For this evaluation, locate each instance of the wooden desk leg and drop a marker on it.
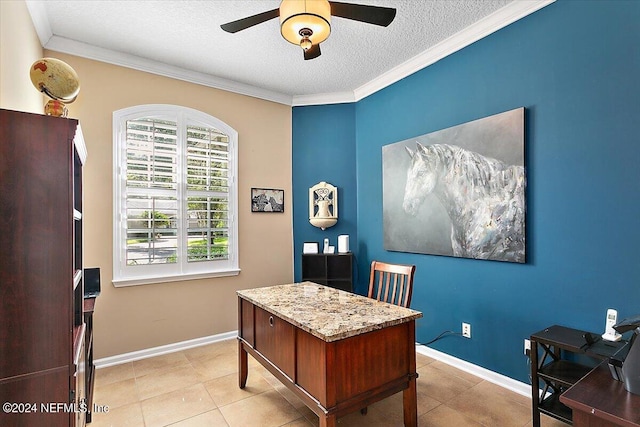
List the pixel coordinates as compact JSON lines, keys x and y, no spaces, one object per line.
{"x":410,"y":404}
{"x":328,"y":421}
{"x":243,"y":365}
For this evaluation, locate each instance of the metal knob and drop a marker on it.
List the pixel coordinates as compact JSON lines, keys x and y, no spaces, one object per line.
{"x":271,"y":321}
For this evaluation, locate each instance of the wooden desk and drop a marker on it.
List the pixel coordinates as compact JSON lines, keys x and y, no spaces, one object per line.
{"x":337,"y":351}
{"x":597,"y":400}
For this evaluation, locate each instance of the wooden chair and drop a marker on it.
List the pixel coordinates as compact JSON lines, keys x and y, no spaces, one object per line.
{"x":392,"y":283}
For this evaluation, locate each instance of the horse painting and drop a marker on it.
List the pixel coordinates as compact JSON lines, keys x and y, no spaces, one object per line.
{"x":483,"y":197}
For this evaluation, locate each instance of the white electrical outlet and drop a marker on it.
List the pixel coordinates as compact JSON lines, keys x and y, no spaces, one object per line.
{"x":466,"y":330}
{"x":527,"y":346}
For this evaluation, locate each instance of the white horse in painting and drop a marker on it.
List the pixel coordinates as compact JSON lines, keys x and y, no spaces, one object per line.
{"x":483,"y":197}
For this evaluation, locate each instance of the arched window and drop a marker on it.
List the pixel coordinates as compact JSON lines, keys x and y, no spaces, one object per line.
{"x":175,"y":195}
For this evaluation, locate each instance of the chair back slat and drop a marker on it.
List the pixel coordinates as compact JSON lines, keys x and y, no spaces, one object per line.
{"x":395,"y":289}
{"x":386,"y":287}
{"x":400,"y":279}
{"x":394,"y":283}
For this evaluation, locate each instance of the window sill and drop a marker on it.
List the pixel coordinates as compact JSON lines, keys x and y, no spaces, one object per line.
{"x":121,"y":283}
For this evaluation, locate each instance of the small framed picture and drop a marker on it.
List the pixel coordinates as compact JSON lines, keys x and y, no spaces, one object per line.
{"x":310,"y":248}
{"x":267,"y":200}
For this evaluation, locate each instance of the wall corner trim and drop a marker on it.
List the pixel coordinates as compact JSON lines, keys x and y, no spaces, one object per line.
{"x":37,"y":10}
{"x":84,"y":50}
{"x":163,"y":349}
{"x":480,"y":372}
{"x":493,"y":377}
{"x":501,"y":18}
{"x":490,"y":24}
{"x":324,"y":99}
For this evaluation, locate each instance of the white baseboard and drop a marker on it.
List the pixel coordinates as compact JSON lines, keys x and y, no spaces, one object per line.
{"x":493,"y":377}
{"x":164,"y":349}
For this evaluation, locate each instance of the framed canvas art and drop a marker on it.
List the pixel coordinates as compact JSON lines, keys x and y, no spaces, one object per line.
{"x":459,"y":191}
{"x":267,"y":200}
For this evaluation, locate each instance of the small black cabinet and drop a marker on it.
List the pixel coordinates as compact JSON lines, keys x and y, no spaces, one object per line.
{"x":335,"y":270}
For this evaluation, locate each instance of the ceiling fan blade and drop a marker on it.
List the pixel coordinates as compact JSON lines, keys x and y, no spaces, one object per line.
{"x":376,"y":15}
{"x":312,"y":52}
{"x":250,"y":21}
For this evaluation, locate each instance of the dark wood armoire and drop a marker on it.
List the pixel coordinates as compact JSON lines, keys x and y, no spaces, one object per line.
{"x":42,"y":355}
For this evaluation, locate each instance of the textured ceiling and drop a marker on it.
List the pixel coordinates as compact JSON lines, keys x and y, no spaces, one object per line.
{"x":186,"y":34}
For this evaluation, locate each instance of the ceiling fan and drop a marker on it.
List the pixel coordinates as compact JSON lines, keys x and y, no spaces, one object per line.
{"x":307,"y":23}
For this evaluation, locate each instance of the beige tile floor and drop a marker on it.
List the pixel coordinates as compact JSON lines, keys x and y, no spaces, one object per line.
{"x":199,"y":388}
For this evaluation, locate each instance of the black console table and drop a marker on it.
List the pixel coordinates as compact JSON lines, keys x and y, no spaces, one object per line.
{"x":554,"y":369}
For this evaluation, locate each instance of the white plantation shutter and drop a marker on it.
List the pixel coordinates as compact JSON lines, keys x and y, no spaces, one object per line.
{"x":151,"y":209}
{"x":175,"y":195}
{"x":207,"y":194}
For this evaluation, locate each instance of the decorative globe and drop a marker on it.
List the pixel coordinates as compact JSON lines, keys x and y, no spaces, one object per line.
{"x":57,"y":80}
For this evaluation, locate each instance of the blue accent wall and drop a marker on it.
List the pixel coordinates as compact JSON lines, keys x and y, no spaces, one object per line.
{"x":324,"y":149}
{"x":575,"y":67}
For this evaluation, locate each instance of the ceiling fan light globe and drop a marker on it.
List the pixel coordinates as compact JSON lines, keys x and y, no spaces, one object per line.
{"x":305,"y":44}
{"x":296,"y":15}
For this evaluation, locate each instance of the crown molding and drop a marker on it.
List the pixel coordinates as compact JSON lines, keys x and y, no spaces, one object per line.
{"x":501,"y":18}
{"x":40,"y":20}
{"x":486,"y":26}
{"x":73,"y":47}
{"x":324,"y":98}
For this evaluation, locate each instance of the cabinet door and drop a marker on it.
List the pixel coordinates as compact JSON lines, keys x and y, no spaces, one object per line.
{"x":36,"y":250}
{"x":48,"y":391}
{"x":275,"y":339}
{"x":314,"y":268}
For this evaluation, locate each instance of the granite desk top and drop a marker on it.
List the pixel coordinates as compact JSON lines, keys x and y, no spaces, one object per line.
{"x":327,"y":313}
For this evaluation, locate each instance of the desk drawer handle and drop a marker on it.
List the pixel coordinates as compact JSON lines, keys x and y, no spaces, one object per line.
{"x":271,"y":321}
